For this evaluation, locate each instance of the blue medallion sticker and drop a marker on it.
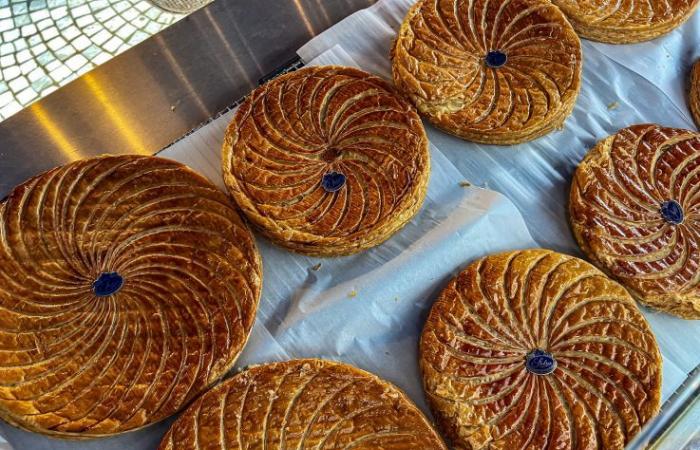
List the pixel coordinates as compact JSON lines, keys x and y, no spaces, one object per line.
{"x":672,"y":212}
{"x":107,"y":284}
{"x":496,"y":59}
{"x":333,"y":181}
{"x":540,"y":362}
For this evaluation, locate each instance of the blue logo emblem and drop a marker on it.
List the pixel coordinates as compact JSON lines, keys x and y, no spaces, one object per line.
{"x":672,"y":212}
{"x":496,"y":59}
{"x":540,"y":362}
{"x":107,"y":284}
{"x":333,"y":181}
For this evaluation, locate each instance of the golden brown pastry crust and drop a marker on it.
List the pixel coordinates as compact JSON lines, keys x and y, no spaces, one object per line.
{"x":694,"y":94}
{"x":615,"y":212}
{"x":439,"y":60}
{"x":626,"y":22}
{"x":293,"y":130}
{"x":77,"y":365}
{"x":303,"y":404}
{"x":607,"y":380}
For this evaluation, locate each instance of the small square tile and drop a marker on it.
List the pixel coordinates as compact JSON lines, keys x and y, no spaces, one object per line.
{"x":101,"y":37}
{"x":22,"y":20}
{"x":42,"y":83}
{"x":19,"y":8}
{"x":137,"y":37}
{"x":28,"y":30}
{"x":6,"y":98}
{"x":38,"y":49}
{"x":152,"y":28}
{"x":58,"y":13}
{"x":81,"y":43}
{"x":49,"y":33}
{"x":65,"y":52}
{"x":126,"y":31}
{"x":92,"y":51}
{"x":11,"y":73}
{"x":64,"y":22}
{"x":71,"y":33}
{"x":20,"y":44}
{"x":57,"y":43}
{"x":23,"y":56}
{"x":35,"y":74}
{"x":28,"y":66}
{"x":130,"y":14}
{"x":114,"y":23}
{"x":92,"y":29}
{"x":105,"y":14}
{"x":11,"y":35}
{"x":36,"y":5}
{"x":34,"y":40}
{"x":143,"y":6}
{"x":18,"y":84}
{"x":152,"y":13}
{"x":101,"y":58}
{"x":27,"y":96}
{"x":84,"y":21}
{"x":6,"y":49}
{"x":60,"y":73}
{"x":44,"y":24}
{"x":52,"y":65}
{"x":39,"y":15}
{"x":11,"y":109}
{"x":122,"y":6}
{"x":112,"y":45}
{"x":45,"y":58}
{"x":7,"y":61}
{"x":97,"y":5}
{"x":80,"y":11}
{"x":76,"y":62}
{"x":6,"y":24}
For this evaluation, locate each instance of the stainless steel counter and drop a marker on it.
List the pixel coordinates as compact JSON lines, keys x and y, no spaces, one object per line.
{"x":146,"y":98}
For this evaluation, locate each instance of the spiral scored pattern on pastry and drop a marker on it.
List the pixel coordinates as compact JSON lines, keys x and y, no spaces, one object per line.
{"x":626,"y":22}
{"x":603,"y":377}
{"x":129,"y":285}
{"x":694,"y":94}
{"x":624,"y":197}
{"x":303,"y":404}
{"x":497,"y":72}
{"x":327,"y":160}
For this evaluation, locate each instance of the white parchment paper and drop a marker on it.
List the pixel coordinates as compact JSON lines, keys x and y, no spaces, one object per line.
{"x":368,"y":309}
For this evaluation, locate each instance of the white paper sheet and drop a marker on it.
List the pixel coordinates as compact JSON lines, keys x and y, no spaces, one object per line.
{"x":368,"y":309}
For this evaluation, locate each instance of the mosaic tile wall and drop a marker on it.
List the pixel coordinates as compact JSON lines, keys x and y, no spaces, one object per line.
{"x":44,"y":44}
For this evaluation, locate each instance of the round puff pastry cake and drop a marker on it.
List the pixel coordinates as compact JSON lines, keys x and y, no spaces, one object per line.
{"x":303,"y":404}
{"x":635,"y":211}
{"x":129,"y":285}
{"x":618,"y":22}
{"x":694,"y":95}
{"x":538,"y":350}
{"x":327,"y":160}
{"x":498,"y":72}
